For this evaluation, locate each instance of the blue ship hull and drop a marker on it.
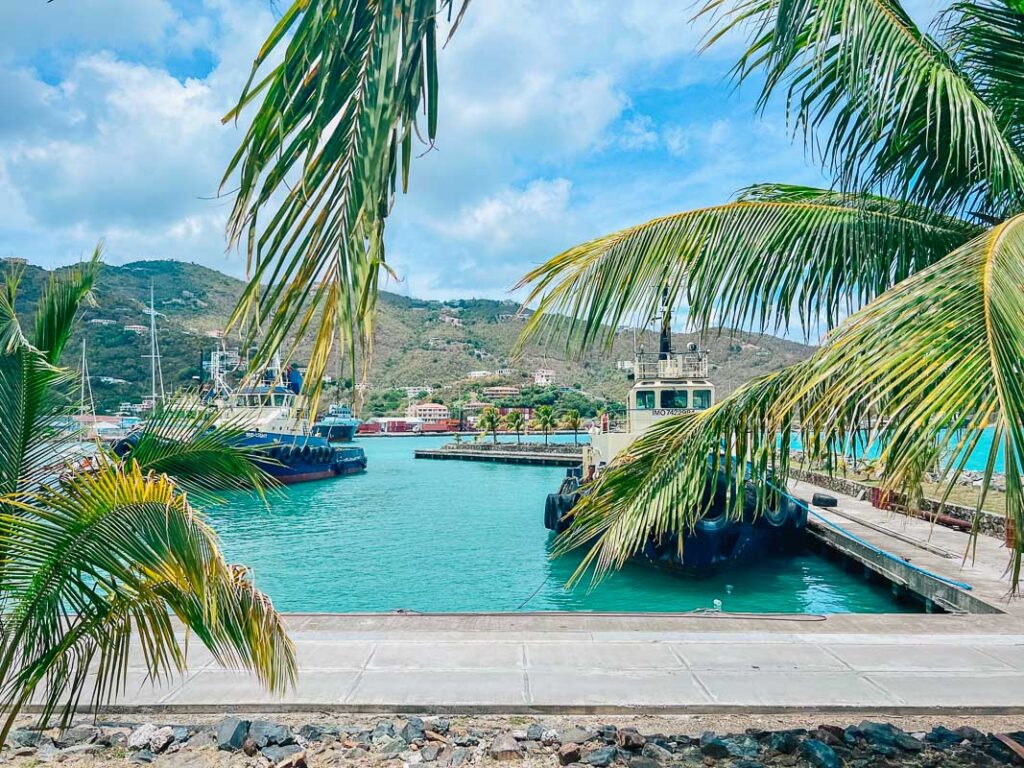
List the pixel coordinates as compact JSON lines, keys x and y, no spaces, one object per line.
{"x":301,"y":458}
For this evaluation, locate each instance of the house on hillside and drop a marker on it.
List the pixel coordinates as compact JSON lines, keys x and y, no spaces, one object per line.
{"x":428,"y":413}
{"x":543,"y":377}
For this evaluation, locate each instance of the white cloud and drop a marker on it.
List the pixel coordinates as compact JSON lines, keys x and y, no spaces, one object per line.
{"x":544,"y":108}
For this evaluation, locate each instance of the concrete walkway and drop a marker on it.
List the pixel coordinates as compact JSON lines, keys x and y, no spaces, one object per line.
{"x":629,"y":663}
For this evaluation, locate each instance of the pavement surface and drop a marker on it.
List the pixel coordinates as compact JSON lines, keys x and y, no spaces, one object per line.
{"x":644,"y":663}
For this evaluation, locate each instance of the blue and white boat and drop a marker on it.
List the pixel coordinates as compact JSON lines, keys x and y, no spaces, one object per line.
{"x":338,"y":426}
{"x":271,"y":413}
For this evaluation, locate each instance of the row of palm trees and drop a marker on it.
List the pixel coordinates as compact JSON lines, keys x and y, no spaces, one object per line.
{"x":544,"y":420}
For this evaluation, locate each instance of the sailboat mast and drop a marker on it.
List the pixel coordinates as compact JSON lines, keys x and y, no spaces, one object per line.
{"x":152,"y":340}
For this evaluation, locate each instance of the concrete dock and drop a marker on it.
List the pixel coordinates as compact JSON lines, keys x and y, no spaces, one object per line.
{"x":507,"y":456}
{"x":667,"y":663}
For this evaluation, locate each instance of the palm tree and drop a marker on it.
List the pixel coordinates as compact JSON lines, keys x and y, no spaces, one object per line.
{"x":94,"y":560}
{"x":571,"y":419}
{"x":918,"y":240}
{"x":489,"y":421}
{"x":515,"y":422}
{"x":921,"y":236}
{"x":545,"y":420}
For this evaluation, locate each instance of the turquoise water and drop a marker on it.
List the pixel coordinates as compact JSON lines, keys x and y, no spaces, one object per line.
{"x":976,"y":461}
{"x":467,"y":536}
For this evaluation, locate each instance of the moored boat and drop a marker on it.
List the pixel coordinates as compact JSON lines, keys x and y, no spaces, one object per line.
{"x":338,"y":426}
{"x":668,"y":384}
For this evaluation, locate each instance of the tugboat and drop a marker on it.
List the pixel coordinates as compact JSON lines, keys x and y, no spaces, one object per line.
{"x":271,"y":412}
{"x":338,"y":426}
{"x":667,"y":384}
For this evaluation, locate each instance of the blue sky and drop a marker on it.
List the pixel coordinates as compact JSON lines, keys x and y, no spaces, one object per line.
{"x":560,"y":121}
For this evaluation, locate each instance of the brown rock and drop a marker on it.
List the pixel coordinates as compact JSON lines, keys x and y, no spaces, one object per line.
{"x":569,"y":753}
{"x":249,"y":748}
{"x":434,"y":736}
{"x":298,"y":760}
{"x":630,"y":738}
{"x":504,"y":747}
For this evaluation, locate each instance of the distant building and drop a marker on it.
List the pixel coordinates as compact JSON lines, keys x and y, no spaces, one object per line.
{"x":504,"y":372}
{"x":478,"y":374}
{"x":428,"y":413}
{"x":451,"y":320}
{"x":112,"y":380}
{"x":139,"y":329}
{"x":101,"y":321}
{"x":499,"y":392}
{"x":543,"y":377}
{"x":414,"y":392}
{"x":214,"y":334}
{"x":475,"y":406}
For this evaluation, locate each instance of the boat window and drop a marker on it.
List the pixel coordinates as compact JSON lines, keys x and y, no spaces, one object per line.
{"x":644,"y":399}
{"x":701,"y":398}
{"x":673,"y":398}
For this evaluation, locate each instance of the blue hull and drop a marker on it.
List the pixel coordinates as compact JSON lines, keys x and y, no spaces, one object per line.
{"x":715,"y":543}
{"x":301,"y":458}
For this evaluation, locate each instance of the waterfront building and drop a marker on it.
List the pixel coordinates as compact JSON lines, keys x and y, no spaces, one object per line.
{"x":428,"y":413}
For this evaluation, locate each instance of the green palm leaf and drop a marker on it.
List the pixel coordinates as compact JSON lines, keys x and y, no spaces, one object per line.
{"x":895,"y":108}
{"x":934,"y":361}
{"x":987,"y":39}
{"x":777,"y":251}
{"x":107,"y":553}
{"x":332,"y":134}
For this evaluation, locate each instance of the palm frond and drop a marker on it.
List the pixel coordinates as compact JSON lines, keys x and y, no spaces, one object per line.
{"x":891,"y":106}
{"x":189,"y":442}
{"x":332,"y":134}
{"x":930,"y":364}
{"x":987,"y":38}
{"x":101,"y":559}
{"x":777,"y":251}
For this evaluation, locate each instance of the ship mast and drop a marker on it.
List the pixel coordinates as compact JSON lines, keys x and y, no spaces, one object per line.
{"x":665,"y":340}
{"x":155,"y":367}
{"x":86,"y":388}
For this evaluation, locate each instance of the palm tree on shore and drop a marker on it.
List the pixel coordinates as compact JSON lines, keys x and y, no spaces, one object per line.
{"x":911,"y":259}
{"x":515,"y":422}
{"x":489,"y":421}
{"x":545,"y":420}
{"x":571,"y":419}
{"x":96,"y":558}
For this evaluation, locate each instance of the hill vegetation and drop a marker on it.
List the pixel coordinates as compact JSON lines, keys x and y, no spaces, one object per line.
{"x":417,"y":343}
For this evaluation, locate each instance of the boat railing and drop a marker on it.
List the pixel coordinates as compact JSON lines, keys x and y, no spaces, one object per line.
{"x":675,"y":366}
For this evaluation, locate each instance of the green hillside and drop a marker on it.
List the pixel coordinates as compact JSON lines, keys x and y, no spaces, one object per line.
{"x":416,"y":342}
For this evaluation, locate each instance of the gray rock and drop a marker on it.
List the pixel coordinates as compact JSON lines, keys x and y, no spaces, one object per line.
{"x":819,"y":754}
{"x":431,"y":751}
{"x":393,"y":746}
{"x":266,"y":734}
{"x":535,"y":732}
{"x":714,"y":747}
{"x":140,"y":737}
{"x":575,"y":736}
{"x":549,"y":737}
{"x":783,"y":742}
{"x":439,"y":725}
{"x":26,"y":737}
{"x":504,"y":747}
{"x":411,"y":757}
{"x":607,"y":732}
{"x":412,"y":730}
{"x":83,"y":749}
{"x":232,"y":733}
{"x":459,"y":756}
{"x":741,"y":746}
{"x":276,"y":753}
{"x":643,"y":762}
{"x":384,"y":728}
{"x":878,"y":733}
{"x":24,"y":751}
{"x":181,"y":733}
{"x":311,"y":732}
{"x":143,"y":756}
{"x":654,"y":752}
{"x":601,"y":757}
{"x":82,"y":733}
{"x":161,"y":739}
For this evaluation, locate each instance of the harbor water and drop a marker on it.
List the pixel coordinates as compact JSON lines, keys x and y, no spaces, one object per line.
{"x":465,"y":536}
